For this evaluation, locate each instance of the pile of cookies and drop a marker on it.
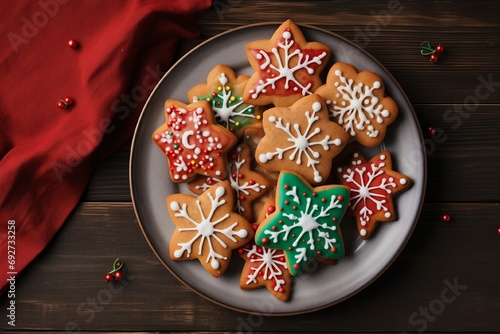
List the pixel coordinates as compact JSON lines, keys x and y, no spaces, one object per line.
{"x":266,"y":157}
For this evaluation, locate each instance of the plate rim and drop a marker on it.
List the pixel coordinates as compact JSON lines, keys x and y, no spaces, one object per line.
{"x":314,"y":309}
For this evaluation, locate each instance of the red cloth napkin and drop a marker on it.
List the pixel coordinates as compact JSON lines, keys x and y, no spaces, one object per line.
{"x":47,"y":154}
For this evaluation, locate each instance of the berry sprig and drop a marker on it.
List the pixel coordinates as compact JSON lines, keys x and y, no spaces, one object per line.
{"x":116,"y":273}
{"x":427,"y":50}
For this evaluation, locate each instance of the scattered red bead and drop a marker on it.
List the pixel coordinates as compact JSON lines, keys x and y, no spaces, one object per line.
{"x":271,"y":209}
{"x":264,"y":241}
{"x":65,"y":103}
{"x":296,"y":266}
{"x":281,"y":290}
{"x":73,"y":44}
{"x":340,"y":198}
{"x":446,"y":218}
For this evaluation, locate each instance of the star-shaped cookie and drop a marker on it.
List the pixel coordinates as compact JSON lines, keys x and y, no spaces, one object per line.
{"x":306,"y":221}
{"x":192,"y":141}
{"x":265,"y":266}
{"x":372,"y":184}
{"x":207,"y":229}
{"x":357,"y":102}
{"x":286,"y":67}
{"x":247,"y":184}
{"x":224,"y":91}
{"x":301,"y":138}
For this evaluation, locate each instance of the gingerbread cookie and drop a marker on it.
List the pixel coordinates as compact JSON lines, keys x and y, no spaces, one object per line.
{"x":306,"y":221}
{"x":286,"y":67}
{"x":357,"y":101}
{"x":193,"y":142}
{"x":207,"y":229}
{"x":247,"y":184}
{"x":265,"y":266}
{"x":224,"y":91}
{"x":302,"y":139}
{"x":373,"y":184}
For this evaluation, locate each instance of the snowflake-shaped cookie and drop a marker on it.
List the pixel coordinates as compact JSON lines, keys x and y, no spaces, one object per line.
{"x":192,"y":141}
{"x":357,"y":102}
{"x":224,"y":91}
{"x":247,"y":184}
{"x":372,"y":184}
{"x":286,"y":67}
{"x":301,"y":139}
{"x":306,"y":222}
{"x":207,"y":229}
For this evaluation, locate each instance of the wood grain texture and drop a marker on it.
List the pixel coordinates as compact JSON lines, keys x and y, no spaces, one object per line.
{"x":65,"y":285}
{"x":469,"y":31}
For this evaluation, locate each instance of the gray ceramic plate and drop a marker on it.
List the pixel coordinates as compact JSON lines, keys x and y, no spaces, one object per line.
{"x":321,"y":285}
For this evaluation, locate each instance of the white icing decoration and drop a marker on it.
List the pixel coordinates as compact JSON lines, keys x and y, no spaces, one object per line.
{"x":284,"y":69}
{"x":363,"y":190}
{"x":238,"y":187}
{"x":206,"y":229}
{"x":362,"y":232}
{"x":355,"y":114}
{"x":175,"y":206}
{"x":185,"y":139}
{"x":402,"y":181}
{"x":307,"y":221}
{"x":388,"y":215}
{"x":227,"y":110}
{"x":301,"y":144}
{"x":268,"y":263}
{"x":181,"y":135}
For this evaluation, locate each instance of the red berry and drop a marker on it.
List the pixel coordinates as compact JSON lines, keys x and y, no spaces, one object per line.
{"x":68,"y":100}
{"x":72,"y":44}
{"x":434,"y":57}
{"x":498,"y":230}
{"x":118,"y":275}
{"x":446,"y":218}
{"x":61,"y":104}
{"x":439,"y":48}
{"x":431,"y":131}
{"x":109,"y":277}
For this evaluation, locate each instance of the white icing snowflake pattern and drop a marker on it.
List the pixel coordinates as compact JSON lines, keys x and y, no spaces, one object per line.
{"x":226,"y":111}
{"x":206,"y":229}
{"x":301,"y":144}
{"x":373,"y":196}
{"x":268,"y":263}
{"x":284,"y":70}
{"x":238,"y":187}
{"x":358,"y":108}
{"x":307,"y":221}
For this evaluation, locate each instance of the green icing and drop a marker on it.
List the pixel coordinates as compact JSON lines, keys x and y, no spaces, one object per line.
{"x":306,"y":223}
{"x":229,"y":109}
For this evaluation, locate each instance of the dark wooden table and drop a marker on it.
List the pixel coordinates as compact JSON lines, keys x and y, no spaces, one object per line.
{"x":63,"y":289}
